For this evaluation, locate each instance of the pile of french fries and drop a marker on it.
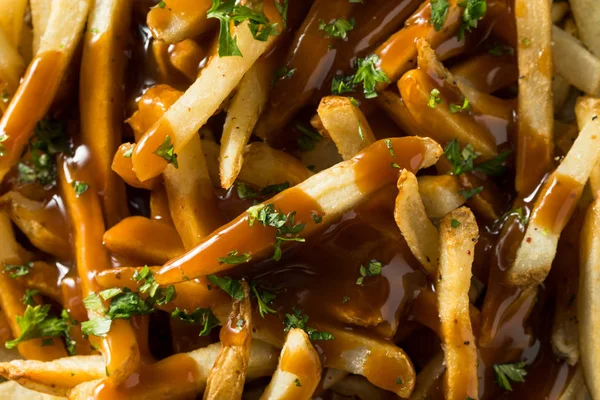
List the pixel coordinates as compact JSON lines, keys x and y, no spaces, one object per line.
{"x":152,"y":150}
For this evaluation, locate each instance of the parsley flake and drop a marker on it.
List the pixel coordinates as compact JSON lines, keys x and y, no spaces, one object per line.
{"x":373,"y":268}
{"x":167,"y":151}
{"x":456,"y":108}
{"x":454,"y":223}
{"x":35,"y":323}
{"x":468,"y":193}
{"x":434,"y":98}
{"x":300,"y":321}
{"x":474,"y":10}
{"x":505,"y":373}
{"x":369,"y":74}
{"x":16,"y":271}
{"x":203,"y":316}
{"x":439,"y":12}
{"x":338,"y":28}
{"x":308,"y":137}
{"x":28,"y":297}
{"x":234,"y":258}
{"x":79,"y":187}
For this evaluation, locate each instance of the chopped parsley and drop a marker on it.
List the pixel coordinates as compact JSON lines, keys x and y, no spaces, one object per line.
{"x":373,"y":268}
{"x":234,"y":288}
{"x":3,"y":138}
{"x":228,"y":11}
{"x":462,"y":160}
{"x":342,"y":84}
{"x":129,"y":152}
{"x":298,"y":383}
{"x":167,"y":151}
{"x":474,"y":10}
{"x":283,"y":73}
{"x":234,"y":258}
{"x":345,"y":299}
{"x":339,"y":28}
{"x":79,"y":187}
{"x":369,"y":74}
{"x":308,"y":137}
{"x":28,"y":297}
{"x":35,"y":323}
{"x":98,"y":326}
{"x":399,"y":381}
{"x":388,"y":143}
{"x":494,"y":166}
{"x":439,"y":12}
{"x":18,"y":270}
{"x":108,"y":294}
{"x":434,"y":98}
{"x":299,"y":320}
{"x":264,"y":298}
{"x":245,"y":191}
{"x":360,"y":132}
{"x":318,"y":218}
{"x":203,"y":316}
{"x":454,"y":223}
{"x":507,"y":373}
{"x":160,"y":4}
{"x":468,"y":193}
{"x":282,"y":9}
{"x":501,"y":50}
{"x":456,"y":108}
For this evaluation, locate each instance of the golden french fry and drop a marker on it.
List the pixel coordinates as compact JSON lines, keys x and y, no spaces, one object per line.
{"x":100,"y":104}
{"x":243,"y":112}
{"x":554,"y":206}
{"x":575,"y":63}
{"x":12,"y":67}
{"x":588,"y":304}
{"x":186,"y":56}
{"x":575,"y":389}
{"x":346,"y":125}
{"x":396,"y":109}
{"x":358,"y":387}
{"x":149,"y":240}
{"x":42,"y":277}
{"x":331,"y":376}
{"x":123,"y":167}
{"x":586,"y":13}
{"x":55,"y":377}
{"x":476,"y":72}
{"x":558,"y":11}
{"x":587,"y":108}
{"x":458,"y":235}
{"x":561,"y":89}
{"x":564,"y":136}
{"x":12,"y":19}
{"x":192,"y":201}
{"x":534,"y":144}
{"x":323,"y":156}
{"x":179,"y":20}
{"x":191,"y":111}
{"x":14,"y":391}
{"x":40,"y":13}
{"x":42,"y":79}
{"x":298,"y":372}
{"x":419,"y":232}
{"x":328,"y":194}
{"x":440,"y":194}
{"x":428,"y":377}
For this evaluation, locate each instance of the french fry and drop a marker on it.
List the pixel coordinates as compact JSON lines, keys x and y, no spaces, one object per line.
{"x":228,"y":374}
{"x":11,"y":295}
{"x":148,"y":240}
{"x":41,"y":223}
{"x":561,"y":88}
{"x":588,"y":305}
{"x":119,"y":346}
{"x":12,"y":67}
{"x":181,"y":376}
{"x":458,"y":235}
{"x":191,"y":111}
{"x":192,"y":201}
{"x":440,"y":194}
{"x":323,"y":156}
{"x":186,"y":57}
{"x":428,"y":377}
{"x":585,"y":109}
{"x":264,"y":166}
{"x":534,"y":137}
{"x":42,"y":78}
{"x":13,"y":391}
{"x":355,"y":386}
{"x":329,"y":193}
{"x":575,"y":63}
{"x":586,"y":13}
{"x":123,"y":167}
{"x":101,"y":91}
{"x":55,"y":377}
{"x":40,"y":13}
{"x":575,"y":389}
{"x":417,"y":229}
{"x":159,"y":206}
{"x":554,"y":206}
{"x":243,"y":112}
{"x":13,"y":19}
{"x":558,"y":11}
{"x":151,"y":106}
{"x":42,"y":277}
{"x":298,"y":372}
{"x":396,"y":109}
{"x":179,"y":20}
{"x":346,"y":125}
{"x":211,"y":154}
{"x":331,"y":376}
{"x":476,"y":72}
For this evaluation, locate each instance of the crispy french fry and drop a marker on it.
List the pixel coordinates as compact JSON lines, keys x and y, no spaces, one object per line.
{"x":12,"y":19}
{"x":55,"y":377}
{"x":11,"y":295}
{"x":428,"y":377}
{"x":181,"y":376}
{"x":586,"y":13}
{"x":487,"y":73}
{"x":585,"y":109}
{"x":245,"y":108}
{"x":323,"y":156}
{"x":561,"y":88}
{"x":588,"y":305}
{"x":346,"y":125}
{"x":42,"y":78}
{"x":575,"y":63}
{"x":534,"y":143}
{"x":191,"y":111}
{"x":12,"y":67}
{"x":419,"y":232}
{"x":355,"y":386}
{"x":228,"y":374}
{"x":119,"y":346}
{"x":575,"y":389}
{"x":458,"y":235}
{"x":40,"y":13}
{"x":148,"y":240}
{"x":101,"y":91}
{"x":440,"y":194}
{"x":180,"y":20}
{"x":329,"y":193}
{"x":123,"y":167}
{"x":42,"y":277}
{"x":192,"y":201}
{"x":396,"y":109}
{"x":151,"y":106}
{"x":298,"y":372}
{"x":186,"y":57}
{"x":264,"y":166}
{"x":554,"y":206}
{"x":14,"y":391}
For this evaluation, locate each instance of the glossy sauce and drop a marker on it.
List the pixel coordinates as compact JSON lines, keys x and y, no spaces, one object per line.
{"x":557,"y":203}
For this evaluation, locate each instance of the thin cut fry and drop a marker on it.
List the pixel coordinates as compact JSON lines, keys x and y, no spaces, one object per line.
{"x":585,"y":109}
{"x":123,"y":167}
{"x":573,"y":62}
{"x":458,"y":235}
{"x":42,"y":277}
{"x":416,"y":227}
{"x":40,"y":13}
{"x":475,"y":72}
{"x":558,"y":11}
{"x":561,"y":89}
{"x":183,"y":119}
{"x":396,"y":109}
{"x":228,"y":374}
{"x":428,"y":377}
{"x":355,"y":386}
{"x":534,"y":144}
{"x":588,"y":300}
{"x":182,"y":19}
{"x":55,"y":377}
{"x":576,"y":389}
{"x":345,"y":124}
{"x":554,"y":207}
{"x":329,"y":193}
{"x":12,"y":19}
{"x":181,"y":376}
{"x":148,"y":240}
{"x":13,"y":391}
{"x":11,"y":68}
{"x":298,"y":372}
{"x":440,"y":194}
{"x":42,"y":78}
{"x":245,"y":108}
{"x":100,"y":94}
{"x":586,"y":14}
